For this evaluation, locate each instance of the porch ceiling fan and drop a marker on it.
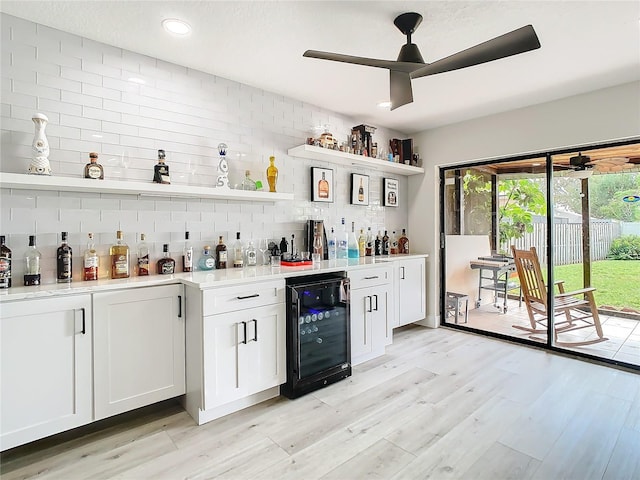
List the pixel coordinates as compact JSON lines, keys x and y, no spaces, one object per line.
{"x":410,"y":65}
{"x":584,"y":163}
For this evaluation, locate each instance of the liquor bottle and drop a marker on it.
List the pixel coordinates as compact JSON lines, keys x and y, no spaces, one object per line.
{"x":377,"y":244}
{"x":187,"y":254}
{"x":238,"y":254}
{"x":166,"y":265}
{"x":354,"y":251}
{"x":93,"y":169}
{"x":143,"y":257}
{"x":272,"y":174}
{"x":332,"y":245}
{"x":362,"y":242}
{"x":161,"y":170}
{"x":284,"y":246}
{"x":247,"y":183}
{"x":206,"y":262}
{"x":393,"y":243}
{"x":32,"y":264}
{"x":385,"y":244}
{"x":368,"y":249}
{"x":119,"y":253}
{"x":294,"y":249}
{"x":91,"y":261}
{"x":5,"y":264}
{"x":251,"y":255}
{"x":221,"y":254}
{"x":64,"y":257}
{"x":361,"y":192}
{"x":403,"y":243}
{"x":343,"y":243}
{"x":323,"y":187}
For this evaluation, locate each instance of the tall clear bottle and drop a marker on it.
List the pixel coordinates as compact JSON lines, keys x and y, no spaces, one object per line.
{"x":332,"y":245}
{"x":64,"y":261}
{"x":5,"y":264}
{"x":32,"y":259}
{"x":91,"y":261}
{"x":393,"y":243}
{"x":354,"y":250}
{"x":251,"y":255}
{"x":143,"y":256}
{"x":343,"y":242}
{"x":238,"y":252}
{"x":187,"y":254}
{"x":119,"y":253}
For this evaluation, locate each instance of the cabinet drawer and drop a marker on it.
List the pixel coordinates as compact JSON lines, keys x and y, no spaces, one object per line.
{"x":368,"y":277}
{"x":239,"y":297}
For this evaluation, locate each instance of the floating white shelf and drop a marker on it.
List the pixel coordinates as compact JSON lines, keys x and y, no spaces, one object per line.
{"x":74,"y":184}
{"x":342,"y":158}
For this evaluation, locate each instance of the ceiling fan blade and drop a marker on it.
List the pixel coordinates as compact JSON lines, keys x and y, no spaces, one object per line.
{"x":370,"y":62}
{"x":518,"y":41}
{"x":401,"y":91}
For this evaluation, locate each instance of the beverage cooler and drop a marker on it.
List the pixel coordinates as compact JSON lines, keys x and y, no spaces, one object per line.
{"x":318,"y":332}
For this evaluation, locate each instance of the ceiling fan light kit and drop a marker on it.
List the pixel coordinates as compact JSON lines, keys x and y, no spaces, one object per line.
{"x":410,"y":64}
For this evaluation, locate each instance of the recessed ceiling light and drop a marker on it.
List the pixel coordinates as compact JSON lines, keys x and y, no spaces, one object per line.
{"x":384,"y":104}
{"x":176,"y":27}
{"x":536,"y":164}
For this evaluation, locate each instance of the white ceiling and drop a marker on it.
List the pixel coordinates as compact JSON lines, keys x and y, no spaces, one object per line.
{"x":585,"y":46}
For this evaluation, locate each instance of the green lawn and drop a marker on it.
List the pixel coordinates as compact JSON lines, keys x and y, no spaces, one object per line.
{"x":617,"y":281}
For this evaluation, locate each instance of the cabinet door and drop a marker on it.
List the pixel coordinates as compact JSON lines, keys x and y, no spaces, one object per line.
{"x":381,"y":317}
{"x":361,"y":307}
{"x":265,"y":360}
{"x":139,"y":355}
{"x":411,"y":292}
{"x":244,"y":353}
{"x":45,"y":382}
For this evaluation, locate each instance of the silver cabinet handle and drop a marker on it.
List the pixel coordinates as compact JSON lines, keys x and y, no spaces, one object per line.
{"x":371,"y":278}
{"x":248,"y":296}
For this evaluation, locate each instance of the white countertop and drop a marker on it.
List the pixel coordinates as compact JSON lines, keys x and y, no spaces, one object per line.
{"x":198,"y":279}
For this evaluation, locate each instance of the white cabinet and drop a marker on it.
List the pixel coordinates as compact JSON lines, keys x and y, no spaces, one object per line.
{"x":235,"y":347}
{"x":139,"y":347}
{"x":45,"y":382}
{"x":372,"y":314}
{"x":245,"y":353}
{"x":410,"y":291}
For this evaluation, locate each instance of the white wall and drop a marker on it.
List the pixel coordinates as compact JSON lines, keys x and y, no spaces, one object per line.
{"x":595,"y":117}
{"x":83,"y":88}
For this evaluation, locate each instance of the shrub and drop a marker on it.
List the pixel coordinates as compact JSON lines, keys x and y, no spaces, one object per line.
{"x":626,"y":247}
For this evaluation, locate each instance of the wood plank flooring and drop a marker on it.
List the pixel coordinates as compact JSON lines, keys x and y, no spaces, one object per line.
{"x":440,"y":404}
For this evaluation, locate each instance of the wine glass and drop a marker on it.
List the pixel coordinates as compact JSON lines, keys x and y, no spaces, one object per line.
{"x":263,"y":246}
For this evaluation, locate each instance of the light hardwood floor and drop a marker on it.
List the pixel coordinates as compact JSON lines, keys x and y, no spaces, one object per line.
{"x":440,"y":404}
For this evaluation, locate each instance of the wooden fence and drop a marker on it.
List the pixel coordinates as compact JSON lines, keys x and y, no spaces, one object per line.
{"x":568,"y":241}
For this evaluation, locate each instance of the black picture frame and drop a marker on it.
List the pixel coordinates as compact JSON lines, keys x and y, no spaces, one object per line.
{"x":359,"y":189}
{"x":390,"y":192}
{"x":321,"y":191}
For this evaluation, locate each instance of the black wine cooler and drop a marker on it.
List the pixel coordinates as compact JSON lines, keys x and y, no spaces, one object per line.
{"x":318,"y":332}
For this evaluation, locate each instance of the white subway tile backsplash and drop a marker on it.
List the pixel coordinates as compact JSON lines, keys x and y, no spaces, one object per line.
{"x":185,"y":112}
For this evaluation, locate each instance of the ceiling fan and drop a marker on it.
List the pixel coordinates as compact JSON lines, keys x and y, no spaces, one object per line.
{"x":582,"y":166}
{"x":410,"y":64}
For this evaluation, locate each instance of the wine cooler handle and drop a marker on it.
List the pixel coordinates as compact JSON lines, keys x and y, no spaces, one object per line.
{"x":402,"y":277}
{"x":179,"y":306}
{"x":244,"y":332}
{"x":368,"y":297}
{"x":84,"y":324}
{"x":255,"y":331}
{"x":248,"y":296}
{"x":376,"y":297}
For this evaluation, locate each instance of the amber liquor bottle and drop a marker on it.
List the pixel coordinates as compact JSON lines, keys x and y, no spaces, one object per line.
{"x":119,"y":253}
{"x":166,"y":265}
{"x":221,"y":254}
{"x":93,"y":169}
{"x":5,"y":264}
{"x":161,"y":170}
{"x":64,"y":257}
{"x":403,"y":243}
{"x":91,"y":261}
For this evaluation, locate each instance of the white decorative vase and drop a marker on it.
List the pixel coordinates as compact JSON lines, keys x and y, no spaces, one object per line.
{"x":223,"y":168}
{"x":40,"y":147}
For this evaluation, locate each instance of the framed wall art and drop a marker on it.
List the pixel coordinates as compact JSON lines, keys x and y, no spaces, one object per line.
{"x":359,"y":189}
{"x":321,"y":184}
{"x":390,"y":192}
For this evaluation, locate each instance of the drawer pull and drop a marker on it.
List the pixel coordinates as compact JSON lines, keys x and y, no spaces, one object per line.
{"x":371,"y":278}
{"x":248,"y":296}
